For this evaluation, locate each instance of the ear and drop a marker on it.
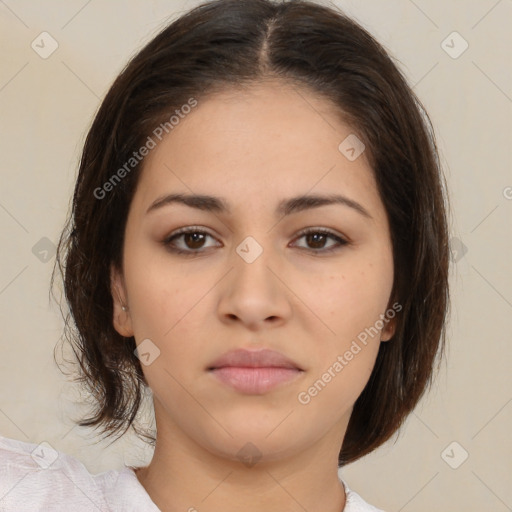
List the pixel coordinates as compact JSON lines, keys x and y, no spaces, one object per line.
{"x":388,"y":331}
{"x":121,"y":317}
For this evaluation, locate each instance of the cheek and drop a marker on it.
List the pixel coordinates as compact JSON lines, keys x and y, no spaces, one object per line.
{"x":165,"y":301}
{"x":351,"y":305}
{"x":353,"y":297}
{"x":332,"y":392}
{"x":162,"y":292}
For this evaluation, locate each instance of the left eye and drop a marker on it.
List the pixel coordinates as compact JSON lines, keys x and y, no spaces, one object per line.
{"x":194,"y":239}
{"x":319,"y":236}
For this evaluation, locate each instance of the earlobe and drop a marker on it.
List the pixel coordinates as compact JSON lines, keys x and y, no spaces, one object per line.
{"x":121,"y":314}
{"x":388,"y":330}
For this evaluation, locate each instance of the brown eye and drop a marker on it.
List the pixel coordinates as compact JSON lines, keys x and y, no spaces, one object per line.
{"x":317,"y":238}
{"x":187,"y":241}
{"x":193,"y":240}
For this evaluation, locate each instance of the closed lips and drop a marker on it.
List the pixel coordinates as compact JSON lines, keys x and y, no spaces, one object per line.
{"x":263,"y":358}
{"x":254,"y":372}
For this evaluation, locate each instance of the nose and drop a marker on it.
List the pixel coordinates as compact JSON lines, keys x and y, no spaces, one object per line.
{"x":254,"y":292}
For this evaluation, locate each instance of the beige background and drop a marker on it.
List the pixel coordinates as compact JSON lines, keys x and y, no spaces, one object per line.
{"x":46,"y":107}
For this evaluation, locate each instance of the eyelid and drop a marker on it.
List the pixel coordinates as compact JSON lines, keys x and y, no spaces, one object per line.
{"x":325,"y":231}
{"x":185,"y":230}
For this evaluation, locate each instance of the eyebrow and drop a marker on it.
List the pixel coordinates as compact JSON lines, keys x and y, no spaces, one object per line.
{"x":285,"y":207}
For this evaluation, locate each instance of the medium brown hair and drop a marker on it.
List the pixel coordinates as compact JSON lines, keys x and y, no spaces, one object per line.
{"x":233,"y":43}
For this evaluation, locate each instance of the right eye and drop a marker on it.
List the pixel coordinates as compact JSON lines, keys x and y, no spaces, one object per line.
{"x":192,"y":239}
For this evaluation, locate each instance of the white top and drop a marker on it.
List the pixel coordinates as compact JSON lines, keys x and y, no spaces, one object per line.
{"x":36,"y":477}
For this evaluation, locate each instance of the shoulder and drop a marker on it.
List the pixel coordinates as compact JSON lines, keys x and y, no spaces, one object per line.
{"x":355,"y":503}
{"x":38,"y":477}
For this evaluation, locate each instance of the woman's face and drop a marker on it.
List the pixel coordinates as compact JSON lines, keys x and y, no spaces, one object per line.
{"x":251,"y":279}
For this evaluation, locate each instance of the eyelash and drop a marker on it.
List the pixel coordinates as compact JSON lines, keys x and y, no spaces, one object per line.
{"x":192,"y":229}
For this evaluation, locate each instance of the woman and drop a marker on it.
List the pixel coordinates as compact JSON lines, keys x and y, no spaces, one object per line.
{"x":258,"y":237}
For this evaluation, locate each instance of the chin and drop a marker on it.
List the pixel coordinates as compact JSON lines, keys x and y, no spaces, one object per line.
{"x":265,"y":439}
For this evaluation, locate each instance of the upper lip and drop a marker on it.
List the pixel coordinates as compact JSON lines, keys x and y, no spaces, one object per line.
{"x":261,"y":358}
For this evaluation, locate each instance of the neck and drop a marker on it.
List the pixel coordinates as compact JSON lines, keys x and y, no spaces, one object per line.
{"x":183,"y":476}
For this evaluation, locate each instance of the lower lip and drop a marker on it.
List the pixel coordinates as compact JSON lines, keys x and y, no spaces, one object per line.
{"x":255,"y":381}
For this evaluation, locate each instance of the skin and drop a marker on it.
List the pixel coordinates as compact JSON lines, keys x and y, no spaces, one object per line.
{"x":253,"y":148}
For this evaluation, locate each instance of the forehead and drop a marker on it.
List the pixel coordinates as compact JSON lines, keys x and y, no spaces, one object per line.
{"x":266,"y":141}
